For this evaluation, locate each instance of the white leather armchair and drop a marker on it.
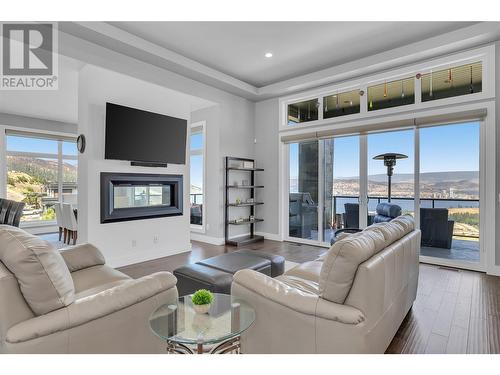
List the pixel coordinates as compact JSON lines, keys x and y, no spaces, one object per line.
{"x":109,"y":314}
{"x":351,"y":300}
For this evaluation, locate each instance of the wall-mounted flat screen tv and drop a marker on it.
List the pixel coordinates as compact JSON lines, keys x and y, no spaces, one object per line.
{"x":141,"y":136}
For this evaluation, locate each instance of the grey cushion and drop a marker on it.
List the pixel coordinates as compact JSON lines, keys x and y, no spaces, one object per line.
{"x":388,"y":209}
{"x":233,"y":262}
{"x":41,"y":272}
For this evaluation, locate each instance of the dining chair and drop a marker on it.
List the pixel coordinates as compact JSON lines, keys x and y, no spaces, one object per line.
{"x":70,"y":224}
{"x":60,"y":220}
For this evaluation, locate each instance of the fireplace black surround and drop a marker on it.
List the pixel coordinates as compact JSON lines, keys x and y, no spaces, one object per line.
{"x":137,"y":196}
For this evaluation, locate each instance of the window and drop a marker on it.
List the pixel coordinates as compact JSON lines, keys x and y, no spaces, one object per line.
{"x":303,"y":111}
{"x":344,"y":103}
{"x":461,"y":80}
{"x":391,"y":94}
{"x":41,"y":172}
{"x":197,"y":145}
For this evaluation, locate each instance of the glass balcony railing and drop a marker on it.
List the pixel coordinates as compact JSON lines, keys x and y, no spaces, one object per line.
{"x":464,"y":212}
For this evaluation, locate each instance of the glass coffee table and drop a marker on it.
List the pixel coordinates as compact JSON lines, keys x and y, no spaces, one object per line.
{"x":188,"y":332}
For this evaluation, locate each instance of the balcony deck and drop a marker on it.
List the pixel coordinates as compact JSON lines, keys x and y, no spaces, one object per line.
{"x":463,"y":250}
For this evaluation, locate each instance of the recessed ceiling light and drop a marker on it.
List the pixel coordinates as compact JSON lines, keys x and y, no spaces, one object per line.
{"x":268,"y":54}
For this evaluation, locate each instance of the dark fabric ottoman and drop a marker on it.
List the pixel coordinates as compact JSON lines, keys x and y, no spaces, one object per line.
{"x":216,"y":274}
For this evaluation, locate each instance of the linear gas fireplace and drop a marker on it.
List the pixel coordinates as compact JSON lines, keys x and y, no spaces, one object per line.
{"x":137,"y":196}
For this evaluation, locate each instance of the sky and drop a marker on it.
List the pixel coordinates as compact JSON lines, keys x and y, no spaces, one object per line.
{"x":46,"y":146}
{"x":442,"y":148}
{"x":197,"y":160}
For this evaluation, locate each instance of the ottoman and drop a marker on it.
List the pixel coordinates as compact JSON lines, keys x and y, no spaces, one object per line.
{"x":216,"y":273}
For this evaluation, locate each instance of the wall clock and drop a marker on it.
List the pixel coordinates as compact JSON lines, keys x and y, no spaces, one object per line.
{"x":80,"y":143}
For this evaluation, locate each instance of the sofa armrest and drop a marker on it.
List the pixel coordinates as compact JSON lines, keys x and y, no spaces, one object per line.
{"x":92,"y":307}
{"x":296,"y":299}
{"x":82,"y":256}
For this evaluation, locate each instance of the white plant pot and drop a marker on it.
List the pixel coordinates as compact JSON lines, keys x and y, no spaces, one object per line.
{"x":201,"y":309}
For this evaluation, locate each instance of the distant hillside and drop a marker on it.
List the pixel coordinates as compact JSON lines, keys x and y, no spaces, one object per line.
{"x":429,"y":178}
{"x":41,"y":171}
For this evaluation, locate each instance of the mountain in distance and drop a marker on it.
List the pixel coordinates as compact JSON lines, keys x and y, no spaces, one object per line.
{"x":428,"y":177}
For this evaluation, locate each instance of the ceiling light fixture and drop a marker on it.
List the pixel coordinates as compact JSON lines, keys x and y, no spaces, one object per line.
{"x":268,"y":54}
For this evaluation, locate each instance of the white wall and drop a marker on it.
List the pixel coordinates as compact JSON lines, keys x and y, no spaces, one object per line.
{"x":96,"y":87}
{"x":267,"y":157}
{"x":229,"y":132}
{"x":497,"y":188}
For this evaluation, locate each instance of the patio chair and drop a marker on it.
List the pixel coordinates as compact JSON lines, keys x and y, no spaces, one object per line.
{"x":302,"y":215}
{"x":351,"y":216}
{"x":437,"y":230}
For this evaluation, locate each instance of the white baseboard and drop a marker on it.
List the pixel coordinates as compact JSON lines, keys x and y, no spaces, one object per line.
{"x":207,"y":239}
{"x":493,"y":270}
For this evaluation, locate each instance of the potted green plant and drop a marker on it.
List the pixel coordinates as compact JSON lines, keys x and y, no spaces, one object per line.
{"x":201,"y":301}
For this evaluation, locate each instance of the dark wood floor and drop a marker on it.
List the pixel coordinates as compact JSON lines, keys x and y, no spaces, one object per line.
{"x":456,"y":311}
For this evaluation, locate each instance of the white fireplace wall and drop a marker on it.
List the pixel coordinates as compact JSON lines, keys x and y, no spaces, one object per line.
{"x":130,"y":241}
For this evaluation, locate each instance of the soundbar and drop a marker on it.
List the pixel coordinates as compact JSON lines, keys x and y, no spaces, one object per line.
{"x":148,"y":164}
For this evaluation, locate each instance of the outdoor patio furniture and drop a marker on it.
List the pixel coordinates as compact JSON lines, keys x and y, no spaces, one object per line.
{"x":303,"y":214}
{"x":385,"y":212}
{"x":351,"y":216}
{"x":10,"y":212}
{"x":196,"y":214}
{"x":437,"y":230}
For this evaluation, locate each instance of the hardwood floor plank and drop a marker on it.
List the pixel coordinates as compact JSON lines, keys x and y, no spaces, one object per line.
{"x":436,"y":344}
{"x":477,"y":341}
{"x":444,"y":318}
{"x":419,"y":331}
{"x":435,"y":299}
{"x":494,"y":334}
{"x":457,"y":341}
{"x":461,"y":314}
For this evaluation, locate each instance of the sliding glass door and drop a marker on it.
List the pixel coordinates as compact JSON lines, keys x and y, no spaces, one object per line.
{"x":341,"y":209}
{"x":338,"y":182}
{"x":450,"y":192}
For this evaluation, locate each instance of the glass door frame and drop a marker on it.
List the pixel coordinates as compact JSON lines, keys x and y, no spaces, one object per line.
{"x":363,"y":191}
{"x":473,"y":266}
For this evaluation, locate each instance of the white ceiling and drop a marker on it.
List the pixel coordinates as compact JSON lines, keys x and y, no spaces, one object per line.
{"x":237,"y":48}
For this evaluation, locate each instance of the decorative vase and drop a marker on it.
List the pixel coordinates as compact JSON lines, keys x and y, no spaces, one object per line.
{"x":201,"y":309}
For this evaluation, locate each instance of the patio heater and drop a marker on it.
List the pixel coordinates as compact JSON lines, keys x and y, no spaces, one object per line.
{"x":389,"y":161}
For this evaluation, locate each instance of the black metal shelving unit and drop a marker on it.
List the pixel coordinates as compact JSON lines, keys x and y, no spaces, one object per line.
{"x":252,"y":237}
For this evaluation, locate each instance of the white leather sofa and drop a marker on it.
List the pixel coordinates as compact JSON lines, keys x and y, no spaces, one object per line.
{"x":350,"y":300}
{"x":71,"y":302}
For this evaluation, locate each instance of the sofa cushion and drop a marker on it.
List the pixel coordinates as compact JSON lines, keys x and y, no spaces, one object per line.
{"x":344,"y":257}
{"x":40,"y":270}
{"x":93,"y":280}
{"x":307,"y":286}
{"x":307,"y":271}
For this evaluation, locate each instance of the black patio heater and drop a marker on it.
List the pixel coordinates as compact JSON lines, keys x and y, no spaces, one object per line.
{"x":389,"y":161}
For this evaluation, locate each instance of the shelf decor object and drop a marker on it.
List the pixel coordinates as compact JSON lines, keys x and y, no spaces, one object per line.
{"x":247,"y":165}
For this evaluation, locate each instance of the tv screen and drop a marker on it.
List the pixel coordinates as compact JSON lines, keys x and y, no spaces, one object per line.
{"x":142,"y":136}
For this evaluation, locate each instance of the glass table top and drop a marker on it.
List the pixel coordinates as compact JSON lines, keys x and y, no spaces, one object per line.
{"x":228,"y":317}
